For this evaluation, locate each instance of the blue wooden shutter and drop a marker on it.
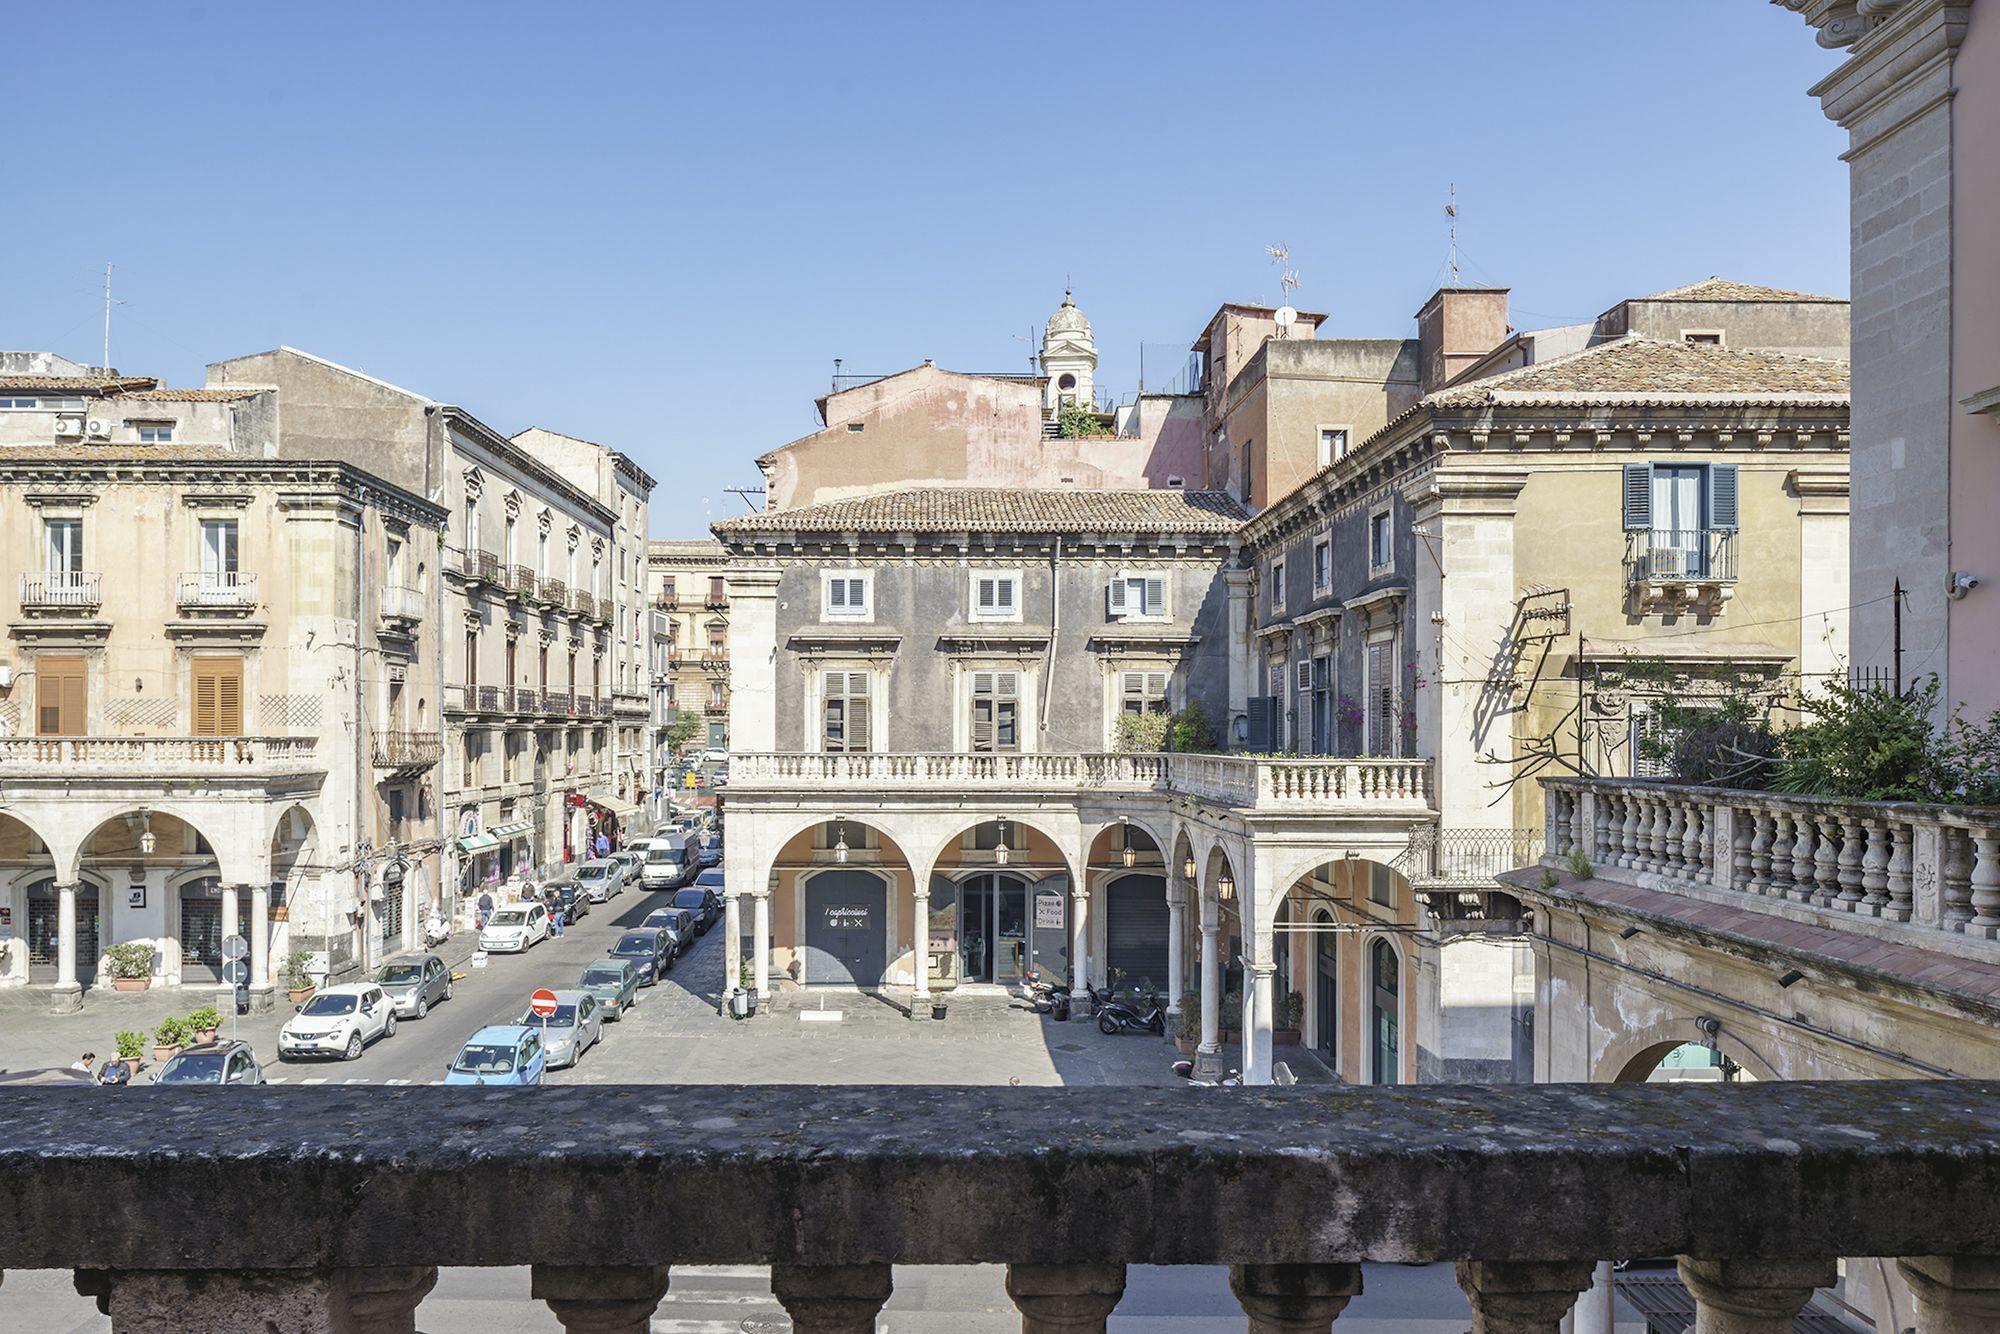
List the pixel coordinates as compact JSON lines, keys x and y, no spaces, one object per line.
{"x":1638,"y":495}
{"x":1258,"y":717}
{"x":1722,"y":496}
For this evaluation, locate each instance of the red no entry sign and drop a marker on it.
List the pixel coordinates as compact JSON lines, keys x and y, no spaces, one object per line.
{"x":542,"y":1004}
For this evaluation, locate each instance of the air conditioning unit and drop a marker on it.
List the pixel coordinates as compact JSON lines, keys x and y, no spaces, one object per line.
{"x":98,"y":428}
{"x":1666,"y":563}
{"x":69,"y":426}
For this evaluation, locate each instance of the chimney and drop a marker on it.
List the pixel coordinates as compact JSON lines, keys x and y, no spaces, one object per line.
{"x":1457,"y":327}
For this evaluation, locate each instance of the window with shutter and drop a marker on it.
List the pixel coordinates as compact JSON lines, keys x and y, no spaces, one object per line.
{"x":217,"y":704}
{"x":846,"y":724}
{"x":1156,"y":596}
{"x":1302,"y":673}
{"x":846,"y":595}
{"x":1638,"y":495}
{"x":1114,"y":595}
{"x":60,"y":699}
{"x":1382,"y":730}
{"x":995,"y":720}
{"x":1143,"y":692}
{"x":1138,"y":595}
{"x":1277,"y":678}
{"x":995,"y":597}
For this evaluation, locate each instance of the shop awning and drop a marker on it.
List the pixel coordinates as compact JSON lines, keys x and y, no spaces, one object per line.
{"x":508,"y":832}
{"x":478,"y":842}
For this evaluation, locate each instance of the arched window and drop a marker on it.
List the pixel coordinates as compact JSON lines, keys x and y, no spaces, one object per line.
{"x":1387,"y":1008}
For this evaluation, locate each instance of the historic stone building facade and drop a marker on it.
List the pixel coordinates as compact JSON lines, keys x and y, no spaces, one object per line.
{"x":688,"y":591}
{"x":218,"y":710}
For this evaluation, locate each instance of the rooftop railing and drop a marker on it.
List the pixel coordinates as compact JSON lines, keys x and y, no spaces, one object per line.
{"x":40,"y":755}
{"x":1928,"y":875}
{"x":331,"y":1208}
{"x":1237,"y":780}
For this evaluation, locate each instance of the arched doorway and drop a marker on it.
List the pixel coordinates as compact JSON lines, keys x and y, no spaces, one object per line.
{"x":44,"y":932}
{"x":1385,"y":1013}
{"x":1137,"y":924}
{"x":999,"y":898}
{"x":845,"y":941}
{"x":1326,"y":987}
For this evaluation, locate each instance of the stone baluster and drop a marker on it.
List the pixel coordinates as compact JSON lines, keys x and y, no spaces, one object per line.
{"x":1985,"y":883}
{"x":600,"y":1299}
{"x":1065,"y":1299}
{"x":1805,"y":844}
{"x":1522,"y":1296}
{"x":1672,"y":860}
{"x":832,"y":1299}
{"x":1896,"y":901}
{"x":1656,"y":835}
{"x":1760,"y":854}
{"x":1294,"y":1299}
{"x":1870,"y":886}
{"x":1954,"y":1294}
{"x":1752,"y":1296}
{"x":298,"y":1301}
{"x":1628,"y":832}
{"x":1695,"y":838}
{"x":1781,"y":855}
{"x":1955,"y":879}
{"x":1826,"y":862}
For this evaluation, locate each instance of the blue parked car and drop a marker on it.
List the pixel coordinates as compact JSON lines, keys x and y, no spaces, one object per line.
{"x":499,"y":1054}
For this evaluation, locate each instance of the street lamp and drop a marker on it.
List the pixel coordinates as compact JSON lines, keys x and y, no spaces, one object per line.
{"x":1130,"y":854}
{"x":840,"y":846}
{"x":148,"y":840}
{"x":1000,"y":849}
{"x":1187,"y":869}
{"x":1225,"y":888}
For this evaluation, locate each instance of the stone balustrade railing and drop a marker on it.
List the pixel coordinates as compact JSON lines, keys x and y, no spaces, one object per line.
{"x":40,"y":755}
{"x":328,"y":1208}
{"x":1934,"y":868}
{"x":1237,"y":780}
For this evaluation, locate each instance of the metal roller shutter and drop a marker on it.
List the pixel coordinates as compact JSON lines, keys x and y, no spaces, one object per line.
{"x":1136,"y":922}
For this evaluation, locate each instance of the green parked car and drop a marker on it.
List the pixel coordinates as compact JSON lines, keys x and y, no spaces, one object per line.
{"x":615,"y":984}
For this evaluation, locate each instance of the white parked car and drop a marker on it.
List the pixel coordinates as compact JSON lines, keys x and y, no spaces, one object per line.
{"x":516,"y":927}
{"x":338,"y":1021}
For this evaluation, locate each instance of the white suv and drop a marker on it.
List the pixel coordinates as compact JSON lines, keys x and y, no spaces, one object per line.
{"x":338,"y":1021}
{"x":515,"y":926}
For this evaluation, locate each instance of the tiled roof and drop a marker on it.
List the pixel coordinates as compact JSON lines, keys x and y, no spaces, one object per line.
{"x":76,"y":384}
{"x":1655,"y":370}
{"x":190,"y":395}
{"x":122,"y":453}
{"x":999,"y":510}
{"x":1724,"y":289}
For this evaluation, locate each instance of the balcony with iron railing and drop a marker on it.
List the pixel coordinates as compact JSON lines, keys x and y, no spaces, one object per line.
{"x":582,"y":602}
{"x":214,"y":590}
{"x":231,"y":1219}
{"x":664,"y":601}
{"x":489,"y":698}
{"x":400,"y":606}
{"x":526,"y":700}
{"x":715,"y":658}
{"x":1671,"y":564}
{"x":1466,"y":858}
{"x":482,"y":567}
{"x":1263,"y":782}
{"x":716,"y":600}
{"x":554,"y":592}
{"x":61,"y":591}
{"x":555,"y":702}
{"x":405,"y":749}
{"x":716,"y":708}
{"x":518,"y":580}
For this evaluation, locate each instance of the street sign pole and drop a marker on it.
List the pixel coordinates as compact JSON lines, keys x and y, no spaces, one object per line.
{"x":235,"y":949}
{"x":543,"y":1004}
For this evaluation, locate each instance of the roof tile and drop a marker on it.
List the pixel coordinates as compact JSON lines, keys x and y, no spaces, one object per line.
{"x":997,"y":509}
{"x":1727,"y":289}
{"x":1654,"y":370}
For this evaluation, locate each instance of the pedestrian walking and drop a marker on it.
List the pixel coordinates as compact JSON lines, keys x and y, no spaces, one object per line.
{"x":556,"y":919}
{"x":485,"y":907}
{"x":86,"y":1062}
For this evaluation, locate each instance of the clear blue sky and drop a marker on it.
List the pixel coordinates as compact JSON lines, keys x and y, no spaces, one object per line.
{"x":656,"y":225}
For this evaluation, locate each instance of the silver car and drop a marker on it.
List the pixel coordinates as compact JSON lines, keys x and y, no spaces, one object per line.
{"x":569,"y":1032}
{"x":414,"y":987}
{"x":600,"y":878}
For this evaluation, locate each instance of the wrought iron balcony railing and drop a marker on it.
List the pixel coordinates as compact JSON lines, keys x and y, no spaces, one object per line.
{"x":203,"y":590}
{"x":1680,"y":555}
{"x":1759,"y":1188}
{"x":406,"y":750}
{"x":74,"y":590}
{"x":519,"y":581}
{"x":555,"y":592}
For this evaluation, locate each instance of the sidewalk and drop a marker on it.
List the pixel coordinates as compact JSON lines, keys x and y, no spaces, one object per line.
{"x":33,"y":1038}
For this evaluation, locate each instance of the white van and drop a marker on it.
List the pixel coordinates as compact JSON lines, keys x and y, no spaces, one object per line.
{"x":670,"y":862}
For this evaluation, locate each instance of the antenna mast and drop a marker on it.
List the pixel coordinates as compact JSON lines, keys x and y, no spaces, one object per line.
{"x":1451,"y":212}
{"x":108,"y":303}
{"x":1288,"y":282}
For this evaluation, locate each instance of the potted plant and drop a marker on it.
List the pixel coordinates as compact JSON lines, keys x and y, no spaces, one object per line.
{"x":1232,"y":1019}
{"x":169,"y":1038}
{"x":131,"y":1048}
{"x":1286,"y":1011}
{"x":204,"y":1023}
{"x":1188,"y":1031}
{"x":131,"y":965}
{"x":298,"y":982}
{"x":937,"y":1004}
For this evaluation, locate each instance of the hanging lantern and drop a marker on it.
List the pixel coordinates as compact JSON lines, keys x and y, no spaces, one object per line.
{"x":1187,"y":869}
{"x":148,"y":840}
{"x":1226,"y":887}
{"x":1130,"y":856}
{"x":1000,"y":849}
{"x":840,"y":845}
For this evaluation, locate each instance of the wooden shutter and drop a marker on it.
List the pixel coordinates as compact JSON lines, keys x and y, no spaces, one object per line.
{"x":1303,"y":674}
{"x":1722,"y":495}
{"x":1156,"y":597}
{"x":1277,"y":678}
{"x":1638,"y":495}
{"x":60,"y":699}
{"x":1258,"y":719}
{"x":218,"y":696}
{"x":1114,"y":594}
{"x":836,"y":593}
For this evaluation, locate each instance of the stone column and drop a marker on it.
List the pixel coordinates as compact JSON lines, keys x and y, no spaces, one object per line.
{"x":260,"y":948}
{"x":760,"y":946}
{"x":1208,"y":1055}
{"x":1294,"y":1299}
{"x":1522,"y":1296}
{"x":1595,"y":1310}
{"x":1955,"y":1294}
{"x":67,"y":993}
{"x":831,"y":1299}
{"x":753,"y":659}
{"x":732,"y":942}
{"x":920,"y":938}
{"x":1257,"y":1019}
{"x":1241,"y":621}
{"x":1752,"y":1296}
{"x":1176,"y":965}
{"x":230,"y":909}
{"x":1079,"y":939}
{"x":1065,"y":1299}
{"x":601,"y":1299}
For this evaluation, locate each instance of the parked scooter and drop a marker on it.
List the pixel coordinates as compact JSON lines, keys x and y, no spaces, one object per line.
{"x":1049,"y":996}
{"x":1116,"y":1016}
{"x":436,"y":931}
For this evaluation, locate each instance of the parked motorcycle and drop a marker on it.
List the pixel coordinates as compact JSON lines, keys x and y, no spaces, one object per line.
{"x":1116,"y":1016}
{"x":436,"y":931}
{"x":1049,"y":996}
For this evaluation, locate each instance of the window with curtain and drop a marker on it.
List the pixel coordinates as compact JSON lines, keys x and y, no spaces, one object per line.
{"x":844,"y":710}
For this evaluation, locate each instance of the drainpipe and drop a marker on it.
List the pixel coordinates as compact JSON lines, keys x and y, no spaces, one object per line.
{"x":447,"y":884}
{"x":361,"y":841}
{"x":1055,"y":630}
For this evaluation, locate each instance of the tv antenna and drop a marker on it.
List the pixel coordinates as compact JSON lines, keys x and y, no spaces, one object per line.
{"x":1451,"y":212}
{"x":108,"y":304}
{"x":1288,"y":282}
{"x":744,"y":494}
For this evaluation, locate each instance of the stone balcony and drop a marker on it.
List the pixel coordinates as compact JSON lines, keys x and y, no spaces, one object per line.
{"x":327,"y":1208}
{"x":1262,"y":783}
{"x":68,"y":757}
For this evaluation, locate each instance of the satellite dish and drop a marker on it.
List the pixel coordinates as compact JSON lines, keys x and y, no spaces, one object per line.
{"x":1286,"y":317}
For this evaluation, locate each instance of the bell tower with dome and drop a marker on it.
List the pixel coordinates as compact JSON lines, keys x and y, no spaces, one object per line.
{"x":1069,"y":358}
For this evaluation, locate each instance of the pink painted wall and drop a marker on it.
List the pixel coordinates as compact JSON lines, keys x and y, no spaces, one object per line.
{"x":1975,"y":359}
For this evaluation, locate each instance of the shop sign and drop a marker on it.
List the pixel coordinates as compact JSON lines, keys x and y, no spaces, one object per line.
{"x":1048,"y":911}
{"x":846,"y":916}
